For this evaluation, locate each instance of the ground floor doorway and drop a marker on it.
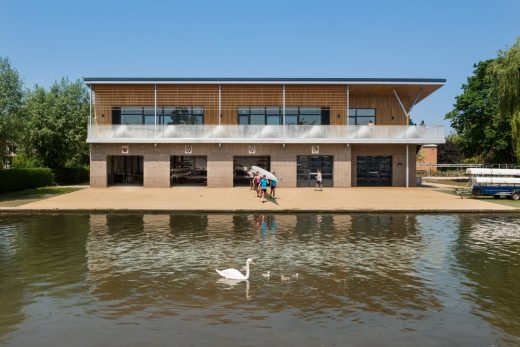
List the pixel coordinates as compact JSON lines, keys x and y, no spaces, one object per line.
{"x":307,"y":167}
{"x":125,"y":170}
{"x":188,"y":170}
{"x":243,"y":163}
{"x":374,"y":171}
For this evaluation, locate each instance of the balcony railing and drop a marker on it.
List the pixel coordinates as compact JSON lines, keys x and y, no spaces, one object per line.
{"x":415,"y":134}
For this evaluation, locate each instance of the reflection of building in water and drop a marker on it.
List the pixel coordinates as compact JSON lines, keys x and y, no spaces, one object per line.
{"x":374,"y":264}
{"x":137,"y":261}
{"x":220,"y":223}
{"x":342,"y":222}
{"x":344,"y":261}
{"x":196,"y":223}
{"x":156,"y":223}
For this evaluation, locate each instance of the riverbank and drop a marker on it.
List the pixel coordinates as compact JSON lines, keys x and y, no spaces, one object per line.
{"x":199,"y":199}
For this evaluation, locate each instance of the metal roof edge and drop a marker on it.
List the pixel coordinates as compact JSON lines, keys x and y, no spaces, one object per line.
{"x":262,"y":80}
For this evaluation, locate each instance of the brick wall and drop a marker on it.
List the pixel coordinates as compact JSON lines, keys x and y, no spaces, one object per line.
{"x":220,"y":161}
{"x":428,"y":156}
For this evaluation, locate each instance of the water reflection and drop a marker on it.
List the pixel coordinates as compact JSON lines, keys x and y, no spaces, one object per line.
{"x":367,"y":262}
{"x":393,"y":273}
{"x":488,"y":250}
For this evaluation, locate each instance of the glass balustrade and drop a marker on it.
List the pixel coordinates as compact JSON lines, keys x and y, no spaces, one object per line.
{"x":198,"y":133}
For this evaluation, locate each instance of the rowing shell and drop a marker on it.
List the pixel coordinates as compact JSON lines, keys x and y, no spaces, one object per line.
{"x":263,"y":172}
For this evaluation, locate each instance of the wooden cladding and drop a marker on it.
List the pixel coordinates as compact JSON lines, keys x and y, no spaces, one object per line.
{"x":233,"y":96}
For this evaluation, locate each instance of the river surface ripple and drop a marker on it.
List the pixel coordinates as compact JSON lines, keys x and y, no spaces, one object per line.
{"x":335,"y":280}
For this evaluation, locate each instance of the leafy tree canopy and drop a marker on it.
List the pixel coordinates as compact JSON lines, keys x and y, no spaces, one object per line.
{"x":11,"y":98}
{"x":505,"y":71}
{"x":57,"y":120}
{"x":483,"y":133}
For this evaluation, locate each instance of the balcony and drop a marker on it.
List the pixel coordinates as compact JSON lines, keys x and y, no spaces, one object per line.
{"x":415,"y":134}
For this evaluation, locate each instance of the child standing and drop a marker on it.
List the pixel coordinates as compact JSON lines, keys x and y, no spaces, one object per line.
{"x":319,"y":181}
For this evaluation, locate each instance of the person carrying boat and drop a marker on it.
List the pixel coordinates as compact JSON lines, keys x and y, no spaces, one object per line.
{"x":257,"y":183}
{"x":251,"y":177}
{"x":263,"y":187}
{"x":272,"y":184}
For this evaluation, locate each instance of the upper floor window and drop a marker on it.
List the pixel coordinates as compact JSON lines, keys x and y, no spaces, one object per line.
{"x":260,"y":115}
{"x":165,"y":115}
{"x":361,"y":116}
{"x":274,"y":115}
{"x":181,"y":115}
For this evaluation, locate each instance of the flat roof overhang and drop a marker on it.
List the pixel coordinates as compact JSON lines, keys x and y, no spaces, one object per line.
{"x":415,"y":88}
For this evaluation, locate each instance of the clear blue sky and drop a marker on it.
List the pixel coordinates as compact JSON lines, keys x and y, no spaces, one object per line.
{"x":47,"y":40}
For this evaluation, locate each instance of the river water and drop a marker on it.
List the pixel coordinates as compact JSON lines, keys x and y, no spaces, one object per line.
{"x":335,"y":280}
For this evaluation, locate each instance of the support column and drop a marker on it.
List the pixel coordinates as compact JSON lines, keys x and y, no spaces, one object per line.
{"x":219,"y":103}
{"x":220,"y":165}
{"x":155,"y":109}
{"x":283,"y":105}
{"x":90,"y":106}
{"x":98,"y":166}
{"x":156,"y":166}
{"x":348,"y":105}
{"x":407,"y":167}
{"x":342,"y":168}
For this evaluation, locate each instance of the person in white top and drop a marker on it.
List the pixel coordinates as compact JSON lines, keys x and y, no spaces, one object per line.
{"x":319,"y":182}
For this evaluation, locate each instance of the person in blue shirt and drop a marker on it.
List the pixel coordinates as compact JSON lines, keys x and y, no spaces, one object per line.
{"x":273,"y":187}
{"x":263,"y":186}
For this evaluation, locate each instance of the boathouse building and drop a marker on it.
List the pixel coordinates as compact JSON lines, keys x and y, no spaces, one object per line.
{"x":167,"y":132}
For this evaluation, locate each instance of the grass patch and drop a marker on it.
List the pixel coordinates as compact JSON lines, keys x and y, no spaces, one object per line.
{"x":22,"y":197}
{"x":503,"y":202}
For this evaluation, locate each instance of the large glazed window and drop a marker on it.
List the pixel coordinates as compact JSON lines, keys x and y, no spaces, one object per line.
{"x":307,"y":167}
{"x":274,"y":116}
{"x":361,"y":116}
{"x":374,"y":170}
{"x":260,"y":115}
{"x":165,"y":115}
{"x":188,"y":170}
{"x":125,"y":169}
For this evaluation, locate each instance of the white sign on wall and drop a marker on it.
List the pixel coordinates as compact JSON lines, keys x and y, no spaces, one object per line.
{"x":315,"y":149}
{"x":125,"y":149}
{"x":188,"y":149}
{"x":251,"y":149}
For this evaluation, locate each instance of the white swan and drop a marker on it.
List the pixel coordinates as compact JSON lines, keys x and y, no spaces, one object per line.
{"x":267,"y":274}
{"x":234,"y":274}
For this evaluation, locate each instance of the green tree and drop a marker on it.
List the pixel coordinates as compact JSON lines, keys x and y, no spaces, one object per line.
{"x":56,"y":129}
{"x":506,"y":77}
{"x":11,"y":98}
{"x":483,"y":132}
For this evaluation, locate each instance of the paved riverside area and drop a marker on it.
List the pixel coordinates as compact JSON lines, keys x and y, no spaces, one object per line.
{"x":356,"y":199}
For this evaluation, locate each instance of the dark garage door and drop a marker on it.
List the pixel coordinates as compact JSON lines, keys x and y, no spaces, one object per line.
{"x":374,"y":171}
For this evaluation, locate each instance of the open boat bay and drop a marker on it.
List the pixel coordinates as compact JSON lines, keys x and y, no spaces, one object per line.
{"x":334,"y":279}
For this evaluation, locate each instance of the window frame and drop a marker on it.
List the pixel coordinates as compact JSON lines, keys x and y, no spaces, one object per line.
{"x":194,"y":112}
{"x":300,"y":112}
{"x":355,"y":117}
